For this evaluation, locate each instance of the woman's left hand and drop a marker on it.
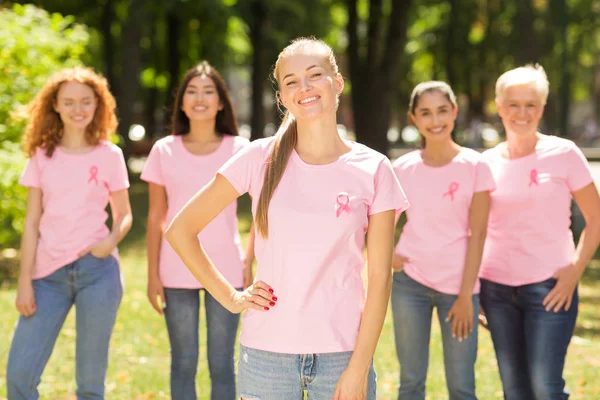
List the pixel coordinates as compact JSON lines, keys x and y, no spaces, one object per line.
{"x":461,"y":315}
{"x":100,"y":249}
{"x":352,"y":386}
{"x":562,"y":293}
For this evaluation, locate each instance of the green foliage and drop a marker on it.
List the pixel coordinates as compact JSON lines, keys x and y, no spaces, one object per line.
{"x":33,"y":45}
{"x":12,"y":195}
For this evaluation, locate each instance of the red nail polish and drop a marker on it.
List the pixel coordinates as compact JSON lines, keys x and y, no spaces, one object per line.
{"x":271,"y":291}
{"x":267,"y":308}
{"x":272,"y":304}
{"x":274,"y":298}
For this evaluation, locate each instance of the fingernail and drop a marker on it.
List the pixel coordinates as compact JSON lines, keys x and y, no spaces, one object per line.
{"x":274,"y":298}
{"x":453,"y":336}
{"x":164,"y":305}
{"x":272,"y":304}
{"x":271,"y":291}
{"x":266,"y":308}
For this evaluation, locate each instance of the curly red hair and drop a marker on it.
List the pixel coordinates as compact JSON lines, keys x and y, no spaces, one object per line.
{"x":45,"y":128}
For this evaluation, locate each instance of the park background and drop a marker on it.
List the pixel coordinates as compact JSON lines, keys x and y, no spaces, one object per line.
{"x":384,"y":48}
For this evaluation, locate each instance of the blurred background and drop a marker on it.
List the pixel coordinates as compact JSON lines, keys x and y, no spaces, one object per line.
{"x":384,"y":48}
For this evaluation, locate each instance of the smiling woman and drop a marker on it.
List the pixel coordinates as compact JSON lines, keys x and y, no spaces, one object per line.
{"x":204,"y":136}
{"x":531,"y":267}
{"x":69,"y":256}
{"x":437,"y":258}
{"x":331,"y":191}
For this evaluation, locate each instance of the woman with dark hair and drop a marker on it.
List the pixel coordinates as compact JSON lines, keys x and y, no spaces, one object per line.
{"x":204,"y":137}
{"x":437,"y":258}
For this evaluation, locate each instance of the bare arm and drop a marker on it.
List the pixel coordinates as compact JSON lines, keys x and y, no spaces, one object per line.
{"x":461,"y":312}
{"x":249,"y":260}
{"x":588,"y":201}
{"x":561,"y":295}
{"x":183,"y":232}
{"x":380,"y":244}
{"x":478,"y":220}
{"x":157,"y":214}
{"x":25,"y":301}
{"x":121,"y":215}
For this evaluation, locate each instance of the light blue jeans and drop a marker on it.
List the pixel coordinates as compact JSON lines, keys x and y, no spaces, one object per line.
{"x":182,"y":316}
{"x":93,"y":285}
{"x":412,"y":308}
{"x":276,"y":376}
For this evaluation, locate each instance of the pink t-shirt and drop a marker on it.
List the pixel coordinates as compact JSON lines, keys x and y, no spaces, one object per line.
{"x":183,"y":174}
{"x":528,"y":236}
{"x":75,"y":192}
{"x":313,"y":256}
{"x":436,"y":234}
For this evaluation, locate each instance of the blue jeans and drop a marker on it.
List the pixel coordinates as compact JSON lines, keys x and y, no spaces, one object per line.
{"x":93,"y":285}
{"x":412,"y":308}
{"x":182,"y":316}
{"x":530,"y":342}
{"x":277,"y":376}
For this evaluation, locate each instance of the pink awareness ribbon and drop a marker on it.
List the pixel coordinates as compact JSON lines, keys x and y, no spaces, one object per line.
{"x":93,"y":174}
{"x":342,"y":204}
{"x":451,"y":190}
{"x":533,"y":178}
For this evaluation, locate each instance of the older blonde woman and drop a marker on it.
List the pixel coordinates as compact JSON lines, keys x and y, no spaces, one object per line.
{"x":531,"y":267}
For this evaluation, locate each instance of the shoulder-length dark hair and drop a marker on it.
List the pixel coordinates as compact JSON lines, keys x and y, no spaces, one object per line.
{"x":226,"y":122}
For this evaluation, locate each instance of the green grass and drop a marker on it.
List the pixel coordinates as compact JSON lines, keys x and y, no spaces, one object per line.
{"x":139,"y":357}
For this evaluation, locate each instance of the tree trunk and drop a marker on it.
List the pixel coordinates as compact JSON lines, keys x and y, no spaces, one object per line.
{"x":108,"y":17}
{"x":374,"y":77}
{"x":259,"y":68}
{"x":130,"y":62}
{"x":565,"y":84}
{"x":173,"y":60}
{"x":529,"y":48}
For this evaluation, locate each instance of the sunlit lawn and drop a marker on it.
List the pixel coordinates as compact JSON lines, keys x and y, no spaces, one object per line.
{"x":140,"y":362}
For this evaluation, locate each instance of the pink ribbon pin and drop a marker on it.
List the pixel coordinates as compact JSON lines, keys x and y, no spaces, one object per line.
{"x":453,"y":188}
{"x":342,"y":204}
{"x":93,"y":174}
{"x":533,"y":178}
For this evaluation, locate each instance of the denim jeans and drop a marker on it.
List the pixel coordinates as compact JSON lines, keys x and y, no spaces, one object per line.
{"x":530,"y":342}
{"x":277,"y":376}
{"x":93,"y":285}
{"x":182,"y":317}
{"x":412,"y":309}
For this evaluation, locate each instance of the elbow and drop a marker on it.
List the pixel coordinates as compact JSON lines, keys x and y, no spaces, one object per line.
{"x":592,"y":224}
{"x":171,"y":233}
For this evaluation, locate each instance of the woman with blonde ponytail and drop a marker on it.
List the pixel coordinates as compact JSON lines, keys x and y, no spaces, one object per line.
{"x":309,"y":325}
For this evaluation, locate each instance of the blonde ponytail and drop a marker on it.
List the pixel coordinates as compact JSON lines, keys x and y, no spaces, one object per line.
{"x":286,"y":138}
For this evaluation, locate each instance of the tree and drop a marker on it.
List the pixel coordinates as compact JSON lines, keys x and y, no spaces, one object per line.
{"x":373,"y":62}
{"x":35,"y":44}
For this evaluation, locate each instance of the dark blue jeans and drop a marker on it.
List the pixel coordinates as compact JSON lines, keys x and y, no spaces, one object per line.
{"x":530,"y":342}
{"x":182,"y":316}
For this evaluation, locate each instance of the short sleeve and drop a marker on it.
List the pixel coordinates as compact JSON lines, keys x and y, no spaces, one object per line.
{"x":238,"y":170}
{"x":239,"y":144}
{"x":578,"y":175}
{"x":152,"y":171}
{"x":119,"y":179}
{"x":484,"y":179}
{"x":388,"y":192}
{"x":31,"y":174}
